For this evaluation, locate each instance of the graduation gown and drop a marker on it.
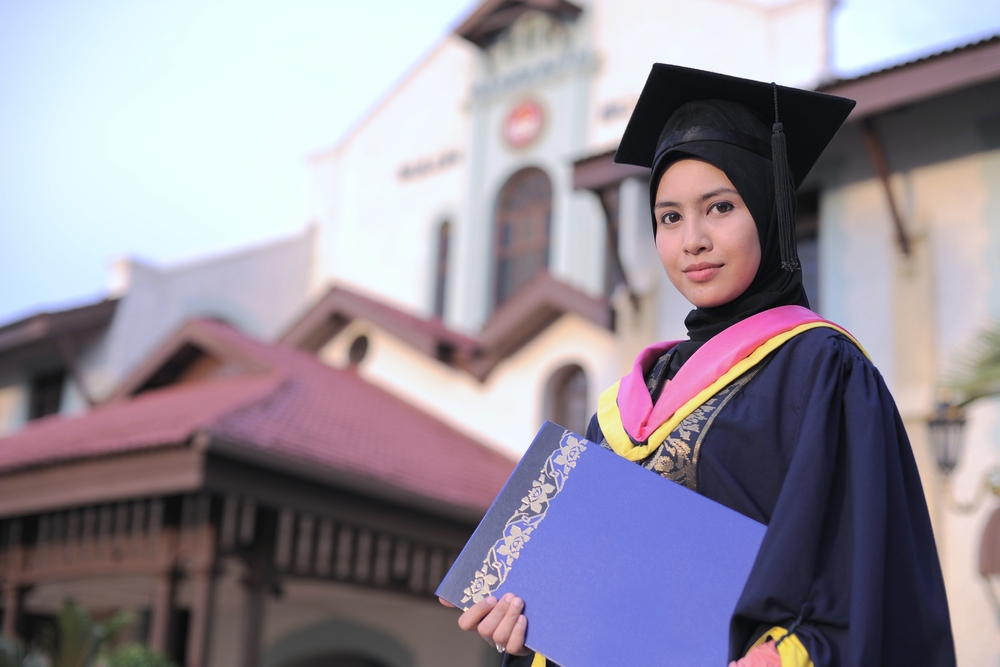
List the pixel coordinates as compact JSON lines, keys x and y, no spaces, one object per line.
{"x":810,"y":443}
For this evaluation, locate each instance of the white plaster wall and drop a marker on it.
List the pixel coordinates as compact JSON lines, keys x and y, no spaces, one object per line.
{"x":952,"y":197}
{"x":974,"y":619}
{"x":856,"y":280}
{"x":378,"y":230}
{"x":260,"y":290}
{"x":636,"y":242}
{"x":785,"y":42}
{"x":506,"y":410}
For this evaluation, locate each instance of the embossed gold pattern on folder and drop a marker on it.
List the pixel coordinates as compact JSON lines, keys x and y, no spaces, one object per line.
{"x":518,"y":529}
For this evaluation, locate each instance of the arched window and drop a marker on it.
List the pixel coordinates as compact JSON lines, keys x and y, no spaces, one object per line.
{"x":441,"y":272}
{"x":566,"y":398}
{"x":521,"y":231}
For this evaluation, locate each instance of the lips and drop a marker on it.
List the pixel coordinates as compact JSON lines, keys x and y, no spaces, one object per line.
{"x":701,"y":272}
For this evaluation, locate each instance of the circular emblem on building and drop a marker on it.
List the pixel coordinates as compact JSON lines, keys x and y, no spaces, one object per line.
{"x":524,"y":124}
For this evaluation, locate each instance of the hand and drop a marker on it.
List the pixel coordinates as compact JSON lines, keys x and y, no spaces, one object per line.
{"x":765,"y":655}
{"x":499,"y":622}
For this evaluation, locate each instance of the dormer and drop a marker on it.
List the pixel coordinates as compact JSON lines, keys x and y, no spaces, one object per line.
{"x":199,"y":351}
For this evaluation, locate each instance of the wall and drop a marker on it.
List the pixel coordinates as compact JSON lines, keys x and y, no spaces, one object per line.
{"x":505,"y":411}
{"x":260,"y":291}
{"x":919,"y":316}
{"x":381,"y":194}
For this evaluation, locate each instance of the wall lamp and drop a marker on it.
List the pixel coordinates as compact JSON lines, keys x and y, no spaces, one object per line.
{"x":947,"y":431}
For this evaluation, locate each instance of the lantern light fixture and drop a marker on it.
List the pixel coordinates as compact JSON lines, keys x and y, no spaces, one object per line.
{"x":947,"y":428}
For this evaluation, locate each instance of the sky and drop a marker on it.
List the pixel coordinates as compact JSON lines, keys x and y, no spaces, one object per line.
{"x":170,"y":130}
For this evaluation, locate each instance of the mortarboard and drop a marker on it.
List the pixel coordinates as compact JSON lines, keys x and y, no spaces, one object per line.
{"x":804,"y":122}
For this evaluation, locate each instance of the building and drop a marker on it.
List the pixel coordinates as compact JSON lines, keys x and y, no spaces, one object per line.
{"x":254,"y":505}
{"x":66,"y":361}
{"x":489,"y":171}
{"x":462,"y":186}
{"x":479,"y":255}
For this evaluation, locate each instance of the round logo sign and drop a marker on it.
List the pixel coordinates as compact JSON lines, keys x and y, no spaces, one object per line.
{"x":523,"y":124}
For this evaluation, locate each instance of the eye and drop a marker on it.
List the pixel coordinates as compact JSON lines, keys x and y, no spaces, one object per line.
{"x":722,"y":207}
{"x":670,"y":217}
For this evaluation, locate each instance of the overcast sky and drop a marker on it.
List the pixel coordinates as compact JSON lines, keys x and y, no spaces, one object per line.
{"x":168,"y":130}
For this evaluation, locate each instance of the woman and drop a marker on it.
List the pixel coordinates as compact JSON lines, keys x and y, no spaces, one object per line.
{"x":804,"y":436}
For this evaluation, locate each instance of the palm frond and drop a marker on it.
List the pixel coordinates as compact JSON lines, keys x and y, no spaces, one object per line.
{"x":978,"y":373}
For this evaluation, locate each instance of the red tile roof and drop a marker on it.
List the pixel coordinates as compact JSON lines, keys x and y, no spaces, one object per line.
{"x":298,"y":411}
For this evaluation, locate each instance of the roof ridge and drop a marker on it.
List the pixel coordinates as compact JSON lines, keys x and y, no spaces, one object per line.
{"x":932,"y":55}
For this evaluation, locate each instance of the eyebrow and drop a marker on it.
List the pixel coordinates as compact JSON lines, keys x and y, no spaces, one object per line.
{"x":704,"y":197}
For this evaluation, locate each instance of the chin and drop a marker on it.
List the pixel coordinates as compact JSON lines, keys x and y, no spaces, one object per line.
{"x":710,"y":302}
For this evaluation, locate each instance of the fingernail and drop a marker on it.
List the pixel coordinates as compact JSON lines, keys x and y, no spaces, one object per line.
{"x":491,"y":600}
{"x":522,"y":619}
{"x":518,"y":602}
{"x":507,"y":597}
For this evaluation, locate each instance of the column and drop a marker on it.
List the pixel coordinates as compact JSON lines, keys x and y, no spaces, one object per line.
{"x":163,"y":607}
{"x":202,"y":599}
{"x":253,"y":621}
{"x":11,"y":609}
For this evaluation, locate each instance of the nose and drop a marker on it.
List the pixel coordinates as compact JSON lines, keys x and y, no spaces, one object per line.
{"x":696,"y":238}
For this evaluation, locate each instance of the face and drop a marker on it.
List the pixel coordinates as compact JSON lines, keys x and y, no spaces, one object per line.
{"x":705,"y":235}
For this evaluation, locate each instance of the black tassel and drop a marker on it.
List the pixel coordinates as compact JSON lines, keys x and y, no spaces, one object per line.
{"x":784,"y":193}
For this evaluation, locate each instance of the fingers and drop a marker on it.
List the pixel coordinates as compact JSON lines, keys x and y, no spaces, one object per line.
{"x":515,"y":645}
{"x":446,"y":603}
{"x":501,"y":626}
{"x":500,"y":622}
{"x":472,"y":616}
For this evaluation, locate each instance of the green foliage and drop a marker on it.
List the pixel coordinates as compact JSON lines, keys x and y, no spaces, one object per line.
{"x":81,"y":640}
{"x":137,"y":655}
{"x":979,"y":370}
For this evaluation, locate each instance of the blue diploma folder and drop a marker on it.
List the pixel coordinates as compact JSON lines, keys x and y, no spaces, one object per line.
{"x":615,"y":564}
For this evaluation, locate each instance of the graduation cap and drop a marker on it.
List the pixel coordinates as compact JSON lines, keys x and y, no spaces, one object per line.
{"x":804,"y":122}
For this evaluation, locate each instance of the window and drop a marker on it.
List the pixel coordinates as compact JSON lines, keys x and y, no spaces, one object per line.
{"x":521,"y":241}
{"x":46,"y":394}
{"x":566,"y":399}
{"x":358,"y":350}
{"x":610,"y":201}
{"x":807,"y":240}
{"x":441,"y":273}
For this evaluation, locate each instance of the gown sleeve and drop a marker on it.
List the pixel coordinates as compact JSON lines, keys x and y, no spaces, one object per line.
{"x":849,"y":563}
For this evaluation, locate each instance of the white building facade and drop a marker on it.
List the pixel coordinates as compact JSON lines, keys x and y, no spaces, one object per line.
{"x":532,"y":98}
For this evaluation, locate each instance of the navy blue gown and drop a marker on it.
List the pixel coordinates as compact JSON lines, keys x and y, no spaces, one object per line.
{"x":811,"y":444}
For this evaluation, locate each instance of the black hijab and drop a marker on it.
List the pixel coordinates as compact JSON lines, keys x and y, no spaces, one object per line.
{"x":752,"y":176}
